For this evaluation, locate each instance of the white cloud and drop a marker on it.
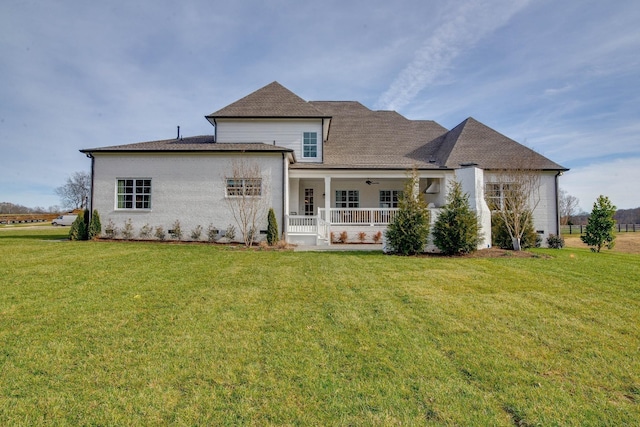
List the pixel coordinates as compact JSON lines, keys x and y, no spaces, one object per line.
{"x":462,"y":28}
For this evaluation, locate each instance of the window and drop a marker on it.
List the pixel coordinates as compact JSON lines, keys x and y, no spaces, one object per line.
{"x":347,"y":199}
{"x":310,"y":144}
{"x":134,"y":193}
{"x":244,"y":187}
{"x":389,"y":198}
{"x":496,"y":194}
{"x":308,"y":201}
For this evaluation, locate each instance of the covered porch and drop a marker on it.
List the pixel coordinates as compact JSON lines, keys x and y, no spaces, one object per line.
{"x":351,"y":206}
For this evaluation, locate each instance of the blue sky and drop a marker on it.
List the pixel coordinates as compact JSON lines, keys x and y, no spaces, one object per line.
{"x":560,"y":77}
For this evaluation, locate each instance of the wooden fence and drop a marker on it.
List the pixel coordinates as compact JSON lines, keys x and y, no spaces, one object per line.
{"x":580,"y":229}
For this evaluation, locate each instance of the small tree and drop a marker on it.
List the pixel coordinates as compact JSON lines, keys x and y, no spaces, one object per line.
{"x":600,"y":225}
{"x":456,"y":230}
{"x":272,"y":228}
{"x":246,"y":196}
{"x":95,"y":228}
{"x":514,"y":194}
{"x":407,"y":234}
{"x":501,"y":237}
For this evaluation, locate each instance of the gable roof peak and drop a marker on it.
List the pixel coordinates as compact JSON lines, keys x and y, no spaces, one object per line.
{"x":270,"y":101}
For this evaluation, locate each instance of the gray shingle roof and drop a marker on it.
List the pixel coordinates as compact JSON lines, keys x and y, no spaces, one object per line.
{"x":362,"y":138}
{"x":474,"y":142}
{"x":203,"y":143}
{"x":273,"y":100}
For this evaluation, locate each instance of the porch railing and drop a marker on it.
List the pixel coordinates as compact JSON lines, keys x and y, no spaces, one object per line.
{"x":300,"y":224}
{"x":358,"y":216}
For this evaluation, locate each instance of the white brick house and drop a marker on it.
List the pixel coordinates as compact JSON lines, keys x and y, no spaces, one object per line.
{"x":326,"y":166}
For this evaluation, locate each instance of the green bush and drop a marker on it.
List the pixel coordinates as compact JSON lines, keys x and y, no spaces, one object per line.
{"x":555,"y":242}
{"x":272,"y":228}
{"x":407,"y":234}
{"x":456,"y":230}
{"x":79,"y":229}
{"x":500,"y":235}
{"x":95,"y":228}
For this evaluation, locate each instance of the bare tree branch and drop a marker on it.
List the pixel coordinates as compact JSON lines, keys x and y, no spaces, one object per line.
{"x":246,"y":197}
{"x":75,"y":192}
{"x":514,"y":194}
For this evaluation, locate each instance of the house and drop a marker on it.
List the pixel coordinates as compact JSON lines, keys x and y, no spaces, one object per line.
{"x":323,"y":166}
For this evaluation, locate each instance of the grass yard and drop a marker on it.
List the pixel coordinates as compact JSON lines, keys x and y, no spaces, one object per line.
{"x":112,"y":333}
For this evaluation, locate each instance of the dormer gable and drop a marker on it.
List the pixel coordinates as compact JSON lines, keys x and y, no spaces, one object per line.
{"x":271,"y":101}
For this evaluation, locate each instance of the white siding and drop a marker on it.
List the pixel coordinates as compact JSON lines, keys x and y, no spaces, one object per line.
{"x":283,"y":133}
{"x":185,"y":187}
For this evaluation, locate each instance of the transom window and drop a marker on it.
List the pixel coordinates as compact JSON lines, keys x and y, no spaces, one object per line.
{"x":244,"y":187}
{"x":310,"y":144}
{"x":134,"y":193}
{"x":347,"y":199}
{"x":389,"y":198}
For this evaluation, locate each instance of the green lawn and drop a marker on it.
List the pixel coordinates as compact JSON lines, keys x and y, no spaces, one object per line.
{"x":99,"y":333}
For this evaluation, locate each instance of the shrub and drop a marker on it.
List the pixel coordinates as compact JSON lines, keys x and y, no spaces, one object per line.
{"x":145,"y":231}
{"x":456,"y":230}
{"x":196,"y":232}
{"x":407,"y":234}
{"x":212,"y":233}
{"x":110,"y":229}
{"x":500,"y":235}
{"x":127,"y":230}
{"x":600,"y":225}
{"x":332,"y":237}
{"x":362,"y":236}
{"x":343,"y":237}
{"x":160,"y":234}
{"x":230,"y":232}
{"x":176,"y":231}
{"x":95,"y":228}
{"x":78,"y":230}
{"x":377,"y":237}
{"x":272,"y":228}
{"x":555,"y":242}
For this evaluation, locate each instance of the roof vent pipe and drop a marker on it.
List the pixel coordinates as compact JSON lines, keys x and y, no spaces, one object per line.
{"x":178,"y":137}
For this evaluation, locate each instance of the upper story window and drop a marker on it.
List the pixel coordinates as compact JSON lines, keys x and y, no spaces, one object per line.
{"x":238,"y":187}
{"x":134,"y":193}
{"x":310,"y":144}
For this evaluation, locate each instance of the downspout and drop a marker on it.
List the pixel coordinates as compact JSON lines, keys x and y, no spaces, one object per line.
{"x":90,"y":204}
{"x":285,"y":194}
{"x":557,"y":205}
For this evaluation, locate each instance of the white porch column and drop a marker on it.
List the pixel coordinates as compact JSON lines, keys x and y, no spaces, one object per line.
{"x":472,"y":181}
{"x":327,"y":204}
{"x":285,"y":190}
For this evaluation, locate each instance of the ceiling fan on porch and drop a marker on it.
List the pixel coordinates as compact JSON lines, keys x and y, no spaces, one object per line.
{"x":369,"y":182}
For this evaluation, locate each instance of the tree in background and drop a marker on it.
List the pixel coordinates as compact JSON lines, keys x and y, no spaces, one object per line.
{"x":407,"y":234}
{"x":568,"y":206}
{"x":75,"y":193}
{"x":456,"y":230}
{"x":600,"y":225}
